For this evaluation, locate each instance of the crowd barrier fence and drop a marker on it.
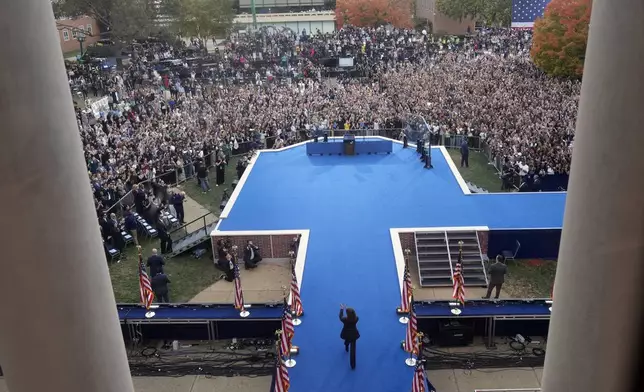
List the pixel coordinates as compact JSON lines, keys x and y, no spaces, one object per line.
{"x":174,"y":177}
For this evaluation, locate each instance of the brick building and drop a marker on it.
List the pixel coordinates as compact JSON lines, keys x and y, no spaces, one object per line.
{"x":68,"y":29}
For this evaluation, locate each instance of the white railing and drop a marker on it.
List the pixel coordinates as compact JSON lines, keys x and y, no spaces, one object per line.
{"x":287,"y":17}
{"x":449,"y":257}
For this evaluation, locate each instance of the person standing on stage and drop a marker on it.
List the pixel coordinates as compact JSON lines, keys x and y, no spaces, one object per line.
{"x":349,"y":333}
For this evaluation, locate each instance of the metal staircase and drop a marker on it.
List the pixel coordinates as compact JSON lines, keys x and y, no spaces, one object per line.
{"x":437,"y":253}
{"x":192,"y":234}
{"x":434,"y":267}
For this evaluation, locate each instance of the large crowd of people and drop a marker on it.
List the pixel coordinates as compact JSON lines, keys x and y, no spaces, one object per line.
{"x":176,"y":108}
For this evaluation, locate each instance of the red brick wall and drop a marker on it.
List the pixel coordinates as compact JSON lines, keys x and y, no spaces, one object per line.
{"x":407,"y":241}
{"x":483,"y":240}
{"x":69,"y":25}
{"x":270,"y":246}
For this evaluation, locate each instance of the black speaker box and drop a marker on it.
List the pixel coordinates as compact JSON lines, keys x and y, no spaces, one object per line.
{"x":454,"y":333}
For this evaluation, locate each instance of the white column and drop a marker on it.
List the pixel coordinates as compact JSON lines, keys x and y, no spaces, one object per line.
{"x":596,"y":323}
{"x":59,"y":328}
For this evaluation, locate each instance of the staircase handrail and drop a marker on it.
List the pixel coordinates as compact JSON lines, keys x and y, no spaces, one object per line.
{"x":420,"y":278}
{"x":186,"y":233}
{"x":482,"y":258}
{"x":449,"y":257}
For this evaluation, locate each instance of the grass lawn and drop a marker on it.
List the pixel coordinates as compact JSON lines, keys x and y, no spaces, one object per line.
{"x":188,"y":276}
{"x":212,"y":199}
{"x":530,"y":278}
{"x":480,"y":172}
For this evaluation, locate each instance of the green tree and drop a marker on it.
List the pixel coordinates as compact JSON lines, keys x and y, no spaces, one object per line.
{"x":488,"y":12}
{"x":204,"y":19}
{"x":125,"y":19}
{"x":560,"y":37}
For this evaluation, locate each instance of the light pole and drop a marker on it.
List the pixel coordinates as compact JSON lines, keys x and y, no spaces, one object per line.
{"x":253,"y":11}
{"x":81,"y":38}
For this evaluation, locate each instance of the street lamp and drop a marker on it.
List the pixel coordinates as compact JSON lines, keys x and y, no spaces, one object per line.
{"x":81,"y":38}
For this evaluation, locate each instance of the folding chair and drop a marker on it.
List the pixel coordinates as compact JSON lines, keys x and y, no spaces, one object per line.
{"x":509,"y":255}
{"x":127,"y":238}
{"x":114,"y":254}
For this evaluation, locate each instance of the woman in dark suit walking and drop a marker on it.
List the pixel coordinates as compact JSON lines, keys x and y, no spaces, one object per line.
{"x":349,"y":332}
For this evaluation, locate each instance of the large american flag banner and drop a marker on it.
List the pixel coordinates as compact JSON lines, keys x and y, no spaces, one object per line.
{"x":525,"y":12}
{"x":459,"y":283}
{"x":419,"y":378}
{"x":296,"y":299}
{"x":239,"y":294}
{"x":282,"y":380}
{"x":145,"y":288}
{"x":406,"y":291}
{"x":286,"y":338}
{"x":411,"y":345}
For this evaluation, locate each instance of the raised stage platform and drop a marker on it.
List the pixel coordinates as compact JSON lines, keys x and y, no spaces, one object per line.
{"x":198,"y":322}
{"x":336,"y":146}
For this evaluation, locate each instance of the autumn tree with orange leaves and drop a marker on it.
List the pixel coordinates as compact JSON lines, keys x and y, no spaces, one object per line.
{"x":559,"y":40}
{"x":365,"y":13}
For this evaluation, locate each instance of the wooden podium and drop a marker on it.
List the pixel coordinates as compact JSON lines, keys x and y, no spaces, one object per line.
{"x":349,"y":144}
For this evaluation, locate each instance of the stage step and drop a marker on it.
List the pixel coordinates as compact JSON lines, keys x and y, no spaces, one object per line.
{"x":437,"y":253}
{"x":474,"y":273}
{"x":191,"y":240}
{"x":433,"y":259}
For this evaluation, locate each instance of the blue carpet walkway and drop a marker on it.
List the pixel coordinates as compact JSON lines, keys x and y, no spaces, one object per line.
{"x":349,"y":204}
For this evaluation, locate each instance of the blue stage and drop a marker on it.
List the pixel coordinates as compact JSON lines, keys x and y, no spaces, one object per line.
{"x":349,"y":204}
{"x":362,"y":146}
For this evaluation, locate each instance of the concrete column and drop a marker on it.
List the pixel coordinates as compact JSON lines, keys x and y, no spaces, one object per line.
{"x":59,"y":328}
{"x":597,"y":315}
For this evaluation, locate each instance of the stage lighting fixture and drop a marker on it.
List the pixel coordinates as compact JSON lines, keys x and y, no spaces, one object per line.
{"x":405,"y":144}
{"x":326,"y":137}
{"x":315,"y":139}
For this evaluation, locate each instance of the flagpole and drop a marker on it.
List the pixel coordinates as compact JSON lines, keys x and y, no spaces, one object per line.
{"x":243,"y":312}
{"x":459,"y":285}
{"x":147,"y":304}
{"x":290,"y":362}
{"x":411,"y":361}
{"x":296,"y":320}
{"x":404,"y":319}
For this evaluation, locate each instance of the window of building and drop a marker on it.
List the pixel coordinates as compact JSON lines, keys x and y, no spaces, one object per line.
{"x":89,"y":29}
{"x":65,"y":35}
{"x":74,"y":33}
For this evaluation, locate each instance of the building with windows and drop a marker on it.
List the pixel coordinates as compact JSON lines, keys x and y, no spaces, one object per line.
{"x":298,"y":15}
{"x":68,"y":30}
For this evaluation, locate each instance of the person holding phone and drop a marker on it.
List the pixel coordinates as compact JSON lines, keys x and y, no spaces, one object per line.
{"x":349,"y":332}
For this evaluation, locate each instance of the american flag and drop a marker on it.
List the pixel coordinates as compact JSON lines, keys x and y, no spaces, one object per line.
{"x":239,"y":294}
{"x":282,"y":380}
{"x":145,"y":288}
{"x":406,"y":291}
{"x":288,"y":330}
{"x":296,"y":300}
{"x":525,"y":12}
{"x":419,"y":378}
{"x":411,"y":345}
{"x":459,"y":284}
